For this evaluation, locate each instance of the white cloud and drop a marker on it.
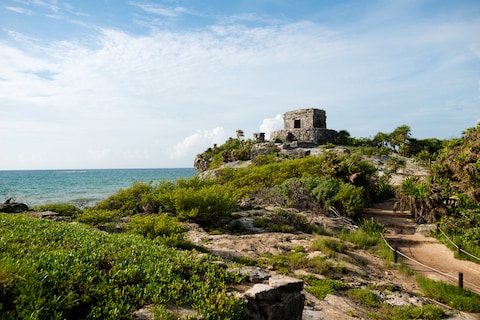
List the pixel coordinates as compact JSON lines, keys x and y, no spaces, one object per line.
{"x":160,"y":10}
{"x":198,"y":142}
{"x":271,"y":124}
{"x":141,"y":93}
{"x":19,"y":10}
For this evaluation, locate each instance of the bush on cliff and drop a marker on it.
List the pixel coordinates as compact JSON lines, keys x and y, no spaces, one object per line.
{"x":194,"y":199}
{"x":345,"y":181}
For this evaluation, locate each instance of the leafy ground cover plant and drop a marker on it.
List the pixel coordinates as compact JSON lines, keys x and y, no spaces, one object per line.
{"x":55,"y":270}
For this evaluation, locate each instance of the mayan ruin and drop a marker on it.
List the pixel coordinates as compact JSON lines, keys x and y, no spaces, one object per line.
{"x":305,"y":126}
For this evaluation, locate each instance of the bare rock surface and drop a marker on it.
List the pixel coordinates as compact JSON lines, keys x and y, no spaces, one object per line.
{"x":365,"y":270}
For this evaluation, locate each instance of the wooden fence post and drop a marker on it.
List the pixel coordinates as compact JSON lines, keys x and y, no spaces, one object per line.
{"x":395,"y":255}
{"x":460,"y":279}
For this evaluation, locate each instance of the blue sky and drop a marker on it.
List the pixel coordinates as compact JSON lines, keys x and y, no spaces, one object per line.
{"x":132,"y":84}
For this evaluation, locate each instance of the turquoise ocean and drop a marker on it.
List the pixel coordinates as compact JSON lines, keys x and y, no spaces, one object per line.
{"x":79,"y":187}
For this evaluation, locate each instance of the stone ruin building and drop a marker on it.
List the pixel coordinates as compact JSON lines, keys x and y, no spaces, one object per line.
{"x":305,"y":126}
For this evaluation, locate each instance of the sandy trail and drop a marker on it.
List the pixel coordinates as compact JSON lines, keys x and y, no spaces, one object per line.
{"x":401,"y":232}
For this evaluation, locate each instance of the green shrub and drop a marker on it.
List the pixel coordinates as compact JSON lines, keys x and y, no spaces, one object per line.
{"x":64,"y":209}
{"x":352,"y":198}
{"x":95,"y":216}
{"x":284,"y":221}
{"x":265,"y":159}
{"x":207,"y":204}
{"x":162,"y":227}
{"x":127,"y":200}
{"x":383,"y":190}
{"x":296,"y":192}
{"x":372,"y":227}
{"x":326,"y":190}
{"x":194,"y":199}
{"x":463,"y":229}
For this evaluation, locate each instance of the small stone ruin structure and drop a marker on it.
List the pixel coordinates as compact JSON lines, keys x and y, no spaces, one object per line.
{"x":305,"y":126}
{"x":259,"y":136}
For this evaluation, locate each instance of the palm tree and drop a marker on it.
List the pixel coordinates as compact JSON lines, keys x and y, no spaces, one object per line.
{"x":399,"y":137}
{"x":239,"y":134}
{"x":424,"y":199}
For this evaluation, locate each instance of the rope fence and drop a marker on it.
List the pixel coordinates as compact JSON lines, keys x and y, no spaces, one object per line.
{"x":456,"y":246}
{"x":447,"y":275}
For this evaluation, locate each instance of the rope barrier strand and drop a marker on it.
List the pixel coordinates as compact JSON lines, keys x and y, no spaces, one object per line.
{"x":428,"y":267}
{"x":456,"y":246}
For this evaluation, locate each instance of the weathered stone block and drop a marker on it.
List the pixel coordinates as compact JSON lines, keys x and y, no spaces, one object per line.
{"x":280,"y":299}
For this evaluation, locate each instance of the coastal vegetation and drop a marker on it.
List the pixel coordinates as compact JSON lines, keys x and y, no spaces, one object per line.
{"x":57,"y":270}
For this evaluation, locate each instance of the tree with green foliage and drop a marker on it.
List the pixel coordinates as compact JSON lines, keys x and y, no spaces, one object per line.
{"x":399,"y":138}
{"x":343,"y":138}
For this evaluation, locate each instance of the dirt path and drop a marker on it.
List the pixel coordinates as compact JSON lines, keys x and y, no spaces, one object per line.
{"x":403,"y":233}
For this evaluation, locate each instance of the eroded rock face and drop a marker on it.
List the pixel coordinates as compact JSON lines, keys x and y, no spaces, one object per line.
{"x":280,"y":299}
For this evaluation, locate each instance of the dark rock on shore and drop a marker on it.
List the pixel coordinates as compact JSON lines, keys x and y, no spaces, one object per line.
{"x":13,"y":207}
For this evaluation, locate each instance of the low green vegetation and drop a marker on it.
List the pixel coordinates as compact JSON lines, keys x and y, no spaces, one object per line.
{"x":287,"y":263}
{"x":282,"y":220}
{"x":463,"y":229}
{"x":426,"y":312}
{"x":328,"y":246}
{"x":56,"y":270}
{"x":64,"y":209}
{"x":366,"y":237}
{"x":454,"y":296}
{"x":320,"y":288}
{"x":364,"y":297}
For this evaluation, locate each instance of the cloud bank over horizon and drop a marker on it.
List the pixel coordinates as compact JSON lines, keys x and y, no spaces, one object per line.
{"x":154,"y":83}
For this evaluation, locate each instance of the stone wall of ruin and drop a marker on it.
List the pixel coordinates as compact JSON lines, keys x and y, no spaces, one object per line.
{"x":314,"y":136}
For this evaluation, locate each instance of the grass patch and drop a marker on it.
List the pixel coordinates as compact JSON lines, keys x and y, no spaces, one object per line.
{"x":454,"y":296}
{"x":328,"y":246}
{"x":292,"y":261}
{"x":427,"y":312}
{"x":365,"y":297}
{"x":320,"y":288}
